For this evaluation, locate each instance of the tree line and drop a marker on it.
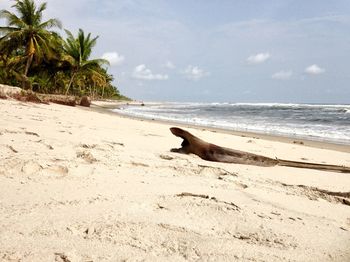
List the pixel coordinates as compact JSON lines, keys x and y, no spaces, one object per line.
{"x":37,"y":58}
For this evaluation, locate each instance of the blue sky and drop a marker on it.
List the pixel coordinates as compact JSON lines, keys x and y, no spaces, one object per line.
{"x":219,"y":51}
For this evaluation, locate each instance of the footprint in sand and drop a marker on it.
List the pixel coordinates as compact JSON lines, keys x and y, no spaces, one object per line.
{"x":166,"y":157}
{"x":31,"y":133}
{"x":87,"y":156}
{"x":10,"y":256}
{"x":31,"y":167}
{"x":11,"y":131}
{"x":56,"y":170}
{"x":209,"y":171}
{"x":12,"y":149}
{"x":34,"y":168}
{"x":67,"y":257}
{"x":87,"y":146}
{"x":46,"y":145}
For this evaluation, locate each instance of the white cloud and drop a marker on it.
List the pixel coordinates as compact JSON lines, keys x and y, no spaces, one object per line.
{"x":282,"y":75}
{"x":114,"y":58}
{"x":258,"y":58}
{"x":169,"y":65}
{"x":143,"y":73}
{"x":195,"y":73}
{"x":314,"y":70}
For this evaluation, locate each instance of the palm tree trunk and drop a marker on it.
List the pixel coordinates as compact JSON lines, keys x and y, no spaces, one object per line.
{"x":90,"y":90}
{"x":29,"y":62}
{"x":103,"y":90}
{"x":70,"y":83}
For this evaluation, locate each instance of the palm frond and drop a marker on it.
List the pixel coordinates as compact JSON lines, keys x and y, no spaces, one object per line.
{"x":50,"y":24}
{"x":7,"y":29}
{"x":26,"y":8}
{"x":12,"y":19}
{"x":98,"y":61}
{"x":40,"y":10}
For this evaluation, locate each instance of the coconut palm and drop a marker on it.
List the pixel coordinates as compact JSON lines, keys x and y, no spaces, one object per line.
{"x":27,"y":31}
{"x":79,"y":51}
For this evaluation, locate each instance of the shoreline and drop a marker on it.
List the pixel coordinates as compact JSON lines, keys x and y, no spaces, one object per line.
{"x":107,"y":107}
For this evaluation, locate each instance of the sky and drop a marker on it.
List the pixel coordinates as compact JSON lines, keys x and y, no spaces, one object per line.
{"x":284,"y":51}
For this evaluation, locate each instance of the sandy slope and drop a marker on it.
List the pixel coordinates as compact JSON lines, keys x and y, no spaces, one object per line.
{"x":78,"y":185}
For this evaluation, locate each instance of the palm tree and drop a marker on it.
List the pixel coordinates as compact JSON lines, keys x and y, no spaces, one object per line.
{"x":79,"y":51}
{"x":27,"y":30}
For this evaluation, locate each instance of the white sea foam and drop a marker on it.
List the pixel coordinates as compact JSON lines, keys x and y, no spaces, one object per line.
{"x":324,"y":122}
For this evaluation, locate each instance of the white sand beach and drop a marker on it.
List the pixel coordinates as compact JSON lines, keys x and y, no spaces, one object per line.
{"x":82,"y":185}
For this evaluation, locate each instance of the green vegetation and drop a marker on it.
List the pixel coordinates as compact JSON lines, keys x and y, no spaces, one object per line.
{"x":36,"y":58}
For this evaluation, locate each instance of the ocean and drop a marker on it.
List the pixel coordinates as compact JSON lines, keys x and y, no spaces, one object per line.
{"x":330,"y":123}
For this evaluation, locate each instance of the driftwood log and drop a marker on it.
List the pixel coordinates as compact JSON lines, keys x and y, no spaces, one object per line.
{"x":211,"y":152}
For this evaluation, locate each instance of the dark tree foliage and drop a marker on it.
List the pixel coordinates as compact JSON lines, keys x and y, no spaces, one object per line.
{"x":37,"y":58}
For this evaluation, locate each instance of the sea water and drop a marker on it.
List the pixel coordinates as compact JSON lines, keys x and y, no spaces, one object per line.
{"x":329,"y":123}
